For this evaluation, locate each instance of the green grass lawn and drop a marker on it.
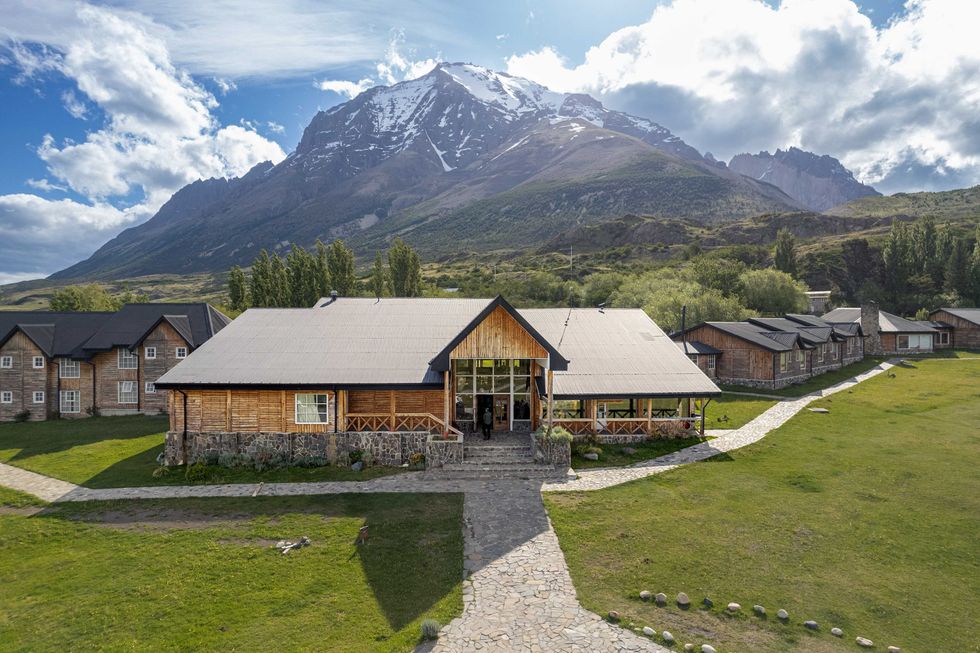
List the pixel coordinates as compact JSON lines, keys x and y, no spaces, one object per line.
{"x":734,"y":411}
{"x":201,"y":575}
{"x":865,"y":518}
{"x":101,"y":452}
{"x":14,"y":499}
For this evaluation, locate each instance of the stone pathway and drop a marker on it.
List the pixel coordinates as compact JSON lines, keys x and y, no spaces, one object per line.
{"x":518,"y":595}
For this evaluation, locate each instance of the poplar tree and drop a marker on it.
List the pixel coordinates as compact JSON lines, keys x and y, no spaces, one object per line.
{"x":322,"y":270}
{"x":278,"y":283}
{"x":237,"y":289}
{"x":260,"y":282}
{"x":379,"y":277}
{"x":340,"y":261}
{"x":405,"y":270}
{"x":785,"y":252}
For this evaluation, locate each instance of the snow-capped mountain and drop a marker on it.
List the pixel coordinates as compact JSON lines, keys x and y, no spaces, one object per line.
{"x":816,"y":182}
{"x":460,"y":157}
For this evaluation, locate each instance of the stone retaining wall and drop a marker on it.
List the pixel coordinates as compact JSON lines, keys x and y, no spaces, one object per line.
{"x":556,"y":452}
{"x":386,"y":448}
{"x":439,"y":451}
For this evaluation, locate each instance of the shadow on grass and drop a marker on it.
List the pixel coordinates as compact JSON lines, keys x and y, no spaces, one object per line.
{"x":413,"y":557}
{"x":53,"y":436}
{"x":132,"y":471}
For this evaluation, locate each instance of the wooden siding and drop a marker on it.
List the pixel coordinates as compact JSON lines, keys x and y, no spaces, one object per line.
{"x":739,"y":359}
{"x":499,"y":336}
{"x":22,"y":379}
{"x":166,"y":340}
{"x":246,"y":411}
{"x":966,"y":334}
{"x":405,"y":401}
{"x":108,"y":375}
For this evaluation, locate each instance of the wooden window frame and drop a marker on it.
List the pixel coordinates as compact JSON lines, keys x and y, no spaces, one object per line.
{"x":75,"y":402}
{"x":125,"y":354}
{"x":316,"y":404}
{"x":135,"y":392}
{"x":74,"y":365}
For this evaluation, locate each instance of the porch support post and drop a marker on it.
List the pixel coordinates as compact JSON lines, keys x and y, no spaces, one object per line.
{"x":704,"y":406}
{"x":595,"y":416}
{"x":391,"y":410}
{"x":649,"y":416}
{"x":445,"y":401}
{"x":551,"y":400}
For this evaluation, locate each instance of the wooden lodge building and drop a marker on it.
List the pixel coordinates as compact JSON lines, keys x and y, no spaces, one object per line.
{"x":771,"y":352}
{"x":957,"y":327}
{"x":79,"y":364}
{"x":402,"y":376}
{"x":889,"y":334}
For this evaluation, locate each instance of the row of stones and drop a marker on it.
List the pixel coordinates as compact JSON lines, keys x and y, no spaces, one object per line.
{"x":684,"y":602}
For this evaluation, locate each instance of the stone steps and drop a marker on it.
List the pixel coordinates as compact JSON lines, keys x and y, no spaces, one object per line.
{"x":474,"y":471}
{"x":486,"y":454}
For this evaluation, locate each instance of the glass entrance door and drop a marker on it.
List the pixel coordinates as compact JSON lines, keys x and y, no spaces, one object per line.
{"x":501,"y":413}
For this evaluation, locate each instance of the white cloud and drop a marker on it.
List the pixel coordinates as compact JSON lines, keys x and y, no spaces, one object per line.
{"x":159,"y":134}
{"x":275,"y":127}
{"x":225,"y":86}
{"x":895,"y":104}
{"x":45,"y":185}
{"x":74,"y":106}
{"x":344,"y":87}
{"x":397,"y":67}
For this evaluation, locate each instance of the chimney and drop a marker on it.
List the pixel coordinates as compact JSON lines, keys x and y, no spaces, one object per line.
{"x":333,"y":298}
{"x":870,"y":327}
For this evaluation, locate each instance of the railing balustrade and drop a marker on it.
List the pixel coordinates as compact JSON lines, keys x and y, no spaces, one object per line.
{"x":408,"y":422}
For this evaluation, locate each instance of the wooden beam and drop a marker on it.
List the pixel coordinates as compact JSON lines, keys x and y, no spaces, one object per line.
{"x":551,"y":400}
{"x":227,"y":410}
{"x":282,"y":410}
{"x":445,"y":401}
{"x":594,"y":405}
{"x":649,"y":416}
{"x":391,"y":409}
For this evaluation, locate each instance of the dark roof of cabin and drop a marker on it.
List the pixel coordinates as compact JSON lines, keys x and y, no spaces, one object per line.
{"x":769,"y":339}
{"x":129,"y":325}
{"x":80,"y":334}
{"x":697,"y":347}
{"x":887,"y":322}
{"x":968,"y":314}
{"x":360,"y":342}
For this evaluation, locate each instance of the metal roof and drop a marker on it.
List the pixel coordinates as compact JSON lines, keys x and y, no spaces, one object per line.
{"x":765,"y":338}
{"x":129,"y":325}
{"x":968,"y":314}
{"x":392,"y":342}
{"x":350,"y":341}
{"x":617,"y":353}
{"x":56,"y":334}
{"x":887,"y":322}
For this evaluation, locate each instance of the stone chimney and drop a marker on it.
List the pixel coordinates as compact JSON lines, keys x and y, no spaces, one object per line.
{"x":870,"y":327}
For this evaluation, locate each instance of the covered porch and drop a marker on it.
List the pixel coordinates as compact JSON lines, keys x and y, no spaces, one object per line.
{"x":633,"y":416}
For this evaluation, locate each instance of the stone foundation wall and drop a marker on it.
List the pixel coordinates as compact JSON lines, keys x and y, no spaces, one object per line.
{"x":820,"y":369}
{"x":439,"y":452}
{"x":386,"y":448}
{"x":556,"y":452}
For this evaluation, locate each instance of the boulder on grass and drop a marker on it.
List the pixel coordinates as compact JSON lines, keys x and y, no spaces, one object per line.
{"x":864,"y":642}
{"x":683,"y":601}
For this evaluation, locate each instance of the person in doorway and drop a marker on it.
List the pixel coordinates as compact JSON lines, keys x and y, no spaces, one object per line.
{"x":487,"y":421}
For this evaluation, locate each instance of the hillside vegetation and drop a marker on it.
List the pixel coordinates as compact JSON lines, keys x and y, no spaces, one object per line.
{"x":960,"y":204}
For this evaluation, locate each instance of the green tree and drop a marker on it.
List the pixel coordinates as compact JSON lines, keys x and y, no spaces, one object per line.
{"x":975,"y":269}
{"x":784,"y":254}
{"x":322,"y":270}
{"x":128,"y":296}
{"x":301,"y":272}
{"x":237,"y":289}
{"x":85,"y":298}
{"x":405,"y":270}
{"x":773,"y":292}
{"x":898,"y":261}
{"x":260,"y":283}
{"x":278,"y":282}
{"x":379,"y":277}
{"x":599,"y":288}
{"x":958,"y":272}
{"x":662,"y":294}
{"x":722,"y":274}
{"x":340,"y":261}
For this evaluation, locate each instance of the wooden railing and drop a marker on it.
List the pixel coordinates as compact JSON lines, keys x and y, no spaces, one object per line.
{"x":628,"y":425}
{"x":410,"y":422}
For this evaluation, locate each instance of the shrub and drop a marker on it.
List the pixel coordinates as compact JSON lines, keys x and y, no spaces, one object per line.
{"x":161,"y":471}
{"x":417,"y":459}
{"x":430,"y":629}
{"x":558,"y":434}
{"x":22,"y":416}
{"x":197,"y":472}
{"x":233,"y":460}
{"x":211,"y":458}
{"x":354,"y":456}
{"x":311,"y":461}
{"x":367,"y":458}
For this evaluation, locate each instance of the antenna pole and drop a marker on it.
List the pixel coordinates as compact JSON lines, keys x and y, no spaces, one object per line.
{"x":684,"y":326}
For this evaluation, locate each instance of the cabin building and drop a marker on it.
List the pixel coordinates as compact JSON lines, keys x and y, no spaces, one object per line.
{"x":79,"y":364}
{"x":957,"y":327}
{"x":886,"y":333}
{"x":402,"y":376}
{"x":772,"y":352}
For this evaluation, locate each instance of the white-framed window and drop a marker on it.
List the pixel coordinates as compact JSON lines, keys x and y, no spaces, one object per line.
{"x":942,"y":338}
{"x":799,"y":356}
{"x":783,"y":361}
{"x":6,"y":397}
{"x":150,"y":388}
{"x":38,"y":396}
{"x":127,"y":359}
{"x":916,"y":341}
{"x":312,"y":408}
{"x":181,"y":352}
{"x":128,"y":392}
{"x":70,"y":402}
{"x":39,"y":362}
{"x":711,"y":363}
{"x":69,"y":369}
{"x":693,"y":357}
{"x":6,"y":362}
{"x":150,"y":352}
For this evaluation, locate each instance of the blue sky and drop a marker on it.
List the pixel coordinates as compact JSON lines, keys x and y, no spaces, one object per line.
{"x":110,"y":107}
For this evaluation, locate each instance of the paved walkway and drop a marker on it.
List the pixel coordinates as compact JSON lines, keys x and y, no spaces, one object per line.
{"x":519,"y":594}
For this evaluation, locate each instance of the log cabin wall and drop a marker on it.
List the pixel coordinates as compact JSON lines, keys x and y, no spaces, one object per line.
{"x":108,"y":376}
{"x":22,"y":379}
{"x":243,"y":411}
{"x":84,"y":384}
{"x":405,"y":401}
{"x":966,"y":334}
{"x":499,"y":336}
{"x":739,"y":360}
{"x":165,"y":339}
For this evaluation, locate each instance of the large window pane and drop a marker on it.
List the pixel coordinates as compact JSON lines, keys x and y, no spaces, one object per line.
{"x":464,"y":366}
{"x":464,"y":408}
{"x":312,"y":408}
{"x":522,"y":384}
{"x":484,"y":384}
{"x":501,"y":367}
{"x":522,"y":407}
{"x":522,"y":367}
{"x":501,"y":384}
{"x":464,"y":383}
